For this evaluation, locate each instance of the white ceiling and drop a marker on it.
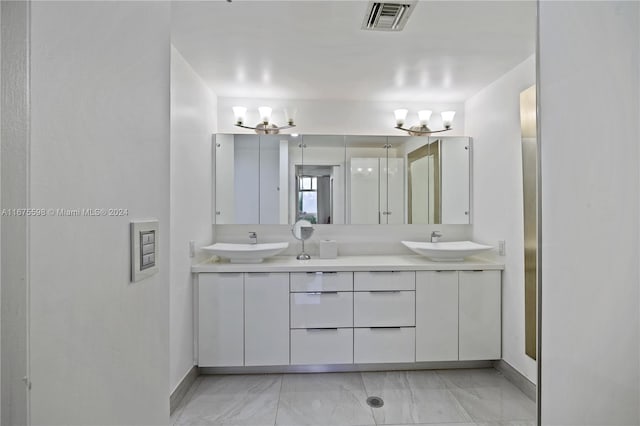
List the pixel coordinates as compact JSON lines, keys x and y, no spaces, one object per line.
{"x":447,"y":52}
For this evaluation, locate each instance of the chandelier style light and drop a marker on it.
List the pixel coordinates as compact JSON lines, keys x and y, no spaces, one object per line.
{"x":422,"y":129}
{"x":265,"y":126}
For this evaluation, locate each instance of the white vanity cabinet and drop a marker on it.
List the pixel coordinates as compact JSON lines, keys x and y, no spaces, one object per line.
{"x":243,"y":319}
{"x":221,"y":319}
{"x":458,"y":315}
{"x":384,"y":316}
{"x":275,"y":316}
{"x":266,"y":318}
{"x":436,"y":316}
{"x":480,"y":332}
{"x":321,"y":318}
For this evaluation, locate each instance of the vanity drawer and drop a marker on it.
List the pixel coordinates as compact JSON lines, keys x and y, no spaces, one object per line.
{"x":384,"y":308}
{"x":322,"y":346}
{"x":377,"y":345}
{"x":384,"y":280}
{"x":321,"y":281}
{"x":316,"y":310}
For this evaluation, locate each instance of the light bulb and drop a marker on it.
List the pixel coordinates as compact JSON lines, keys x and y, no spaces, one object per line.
{"x":424,"y":117}
{"x":240,"y":113}
{"x":265,"y":114}
{"x":401,"y":116}
{"x":290,"y":113}
{"x":447,"y":118}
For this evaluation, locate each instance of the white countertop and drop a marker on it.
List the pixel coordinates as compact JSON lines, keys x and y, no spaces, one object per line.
{"x":348,"y":263}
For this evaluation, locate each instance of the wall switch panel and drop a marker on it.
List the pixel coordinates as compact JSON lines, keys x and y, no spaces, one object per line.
{"x":144,"y":249}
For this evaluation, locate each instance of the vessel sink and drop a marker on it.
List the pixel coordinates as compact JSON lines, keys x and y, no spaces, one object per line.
{"x":449,"y":251}
{"x":245,"y":253}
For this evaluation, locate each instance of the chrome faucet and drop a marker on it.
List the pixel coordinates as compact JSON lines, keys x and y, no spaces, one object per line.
{"x":435,"y":236}
{"x":253,"y":236}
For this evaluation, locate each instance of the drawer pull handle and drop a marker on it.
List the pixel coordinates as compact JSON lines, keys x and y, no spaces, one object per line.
{"x":321,"y":329}
{"x":384,"y":291}
{"x":322,"y":273}
{"x":384,"y":328}
{"x":383,"y":272}
{"x":320,"y":293}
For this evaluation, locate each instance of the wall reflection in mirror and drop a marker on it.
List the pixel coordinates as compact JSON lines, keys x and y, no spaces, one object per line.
{"x":337,"y":179}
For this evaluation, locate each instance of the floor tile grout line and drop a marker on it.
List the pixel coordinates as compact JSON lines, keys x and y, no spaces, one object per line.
{"x":275,"y":420}
{"x":453,"y":395}
{"x":366,"y":394}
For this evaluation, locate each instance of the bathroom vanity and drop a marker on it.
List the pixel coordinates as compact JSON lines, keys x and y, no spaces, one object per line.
{"x":352,"y":310}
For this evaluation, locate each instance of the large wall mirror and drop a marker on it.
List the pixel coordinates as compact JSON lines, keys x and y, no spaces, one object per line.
{"x":337,"y":179}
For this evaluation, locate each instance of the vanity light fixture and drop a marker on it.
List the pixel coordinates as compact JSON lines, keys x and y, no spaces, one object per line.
{"x":422,"y":129}
{"x":265,"y":127}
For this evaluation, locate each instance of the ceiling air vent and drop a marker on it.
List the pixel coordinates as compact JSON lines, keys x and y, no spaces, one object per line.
{"x":387,"y":16}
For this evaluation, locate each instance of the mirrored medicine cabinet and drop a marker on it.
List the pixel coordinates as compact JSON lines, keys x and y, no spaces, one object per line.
{"x":338,"y":179}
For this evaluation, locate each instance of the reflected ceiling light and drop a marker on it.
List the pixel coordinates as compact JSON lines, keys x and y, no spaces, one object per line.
{"x":422,"y":129}
{"x":265,"y":126}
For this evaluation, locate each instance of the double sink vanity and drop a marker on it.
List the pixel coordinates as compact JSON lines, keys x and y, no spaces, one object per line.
{"x":259,"y":310}
{"x":349,"y":311}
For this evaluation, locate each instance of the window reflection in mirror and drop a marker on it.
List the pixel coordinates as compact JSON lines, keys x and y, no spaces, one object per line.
{"x":317,"y":166}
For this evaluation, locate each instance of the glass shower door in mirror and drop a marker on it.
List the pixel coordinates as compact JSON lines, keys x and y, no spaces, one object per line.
{"x":274,"y":178}
{"x":438,"y":179}
{"x":455,"y":183}
{"x":375,"y":183}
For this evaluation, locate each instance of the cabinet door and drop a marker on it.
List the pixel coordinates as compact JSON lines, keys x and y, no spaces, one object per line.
{"x":220,"y":320}
{"x":436,"y":315}
{"x":266,"y":314}
{"x":479,"y":316}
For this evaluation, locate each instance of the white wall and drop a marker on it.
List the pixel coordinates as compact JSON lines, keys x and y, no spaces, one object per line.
{"x":338,"y":117}
{"x":15,"y":169}
{"x":193,"y":121}
{"x":589,"y":87}
{"x":100,"y":139}
{"x":493,"y":120}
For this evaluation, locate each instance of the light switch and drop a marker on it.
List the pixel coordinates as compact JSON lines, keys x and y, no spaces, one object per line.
{"x":148,"y":237}
{"x":144,"y":249}
{"x":148,"y":248}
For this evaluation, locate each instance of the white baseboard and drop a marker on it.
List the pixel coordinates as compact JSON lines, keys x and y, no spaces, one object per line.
{"x":181,"y":390}
{"x":517,"y":378}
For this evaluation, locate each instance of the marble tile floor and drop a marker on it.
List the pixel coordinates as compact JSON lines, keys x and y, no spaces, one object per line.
{"x":472,"y":397}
